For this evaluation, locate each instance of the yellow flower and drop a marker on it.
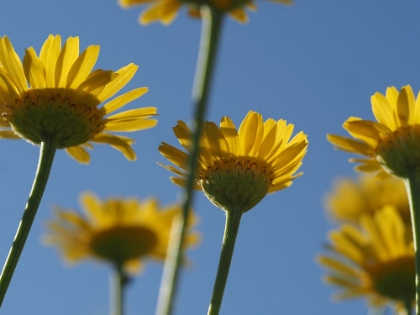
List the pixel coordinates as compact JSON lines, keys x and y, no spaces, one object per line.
{"x":376,"y":261}
{"x":238,"y":168}
{"x":165,"y":11}
{"x":120,"y":231}
{"x":351,"y":199}
{"x":392,"y":144}
{"x":54,"y":97}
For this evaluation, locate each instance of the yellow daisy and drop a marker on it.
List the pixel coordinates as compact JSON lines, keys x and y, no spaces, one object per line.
{"x":237,"y":168}
{"x":54,"y":98}
{"x":376,"y":261}
{"x":392,"y":144}
{"x":165,"y":11}
{"x":123,"y":232}
{"x":351,"y":199}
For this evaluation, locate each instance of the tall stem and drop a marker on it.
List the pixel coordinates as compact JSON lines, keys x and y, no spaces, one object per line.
{"x":233,"y":220}
{"x":412,"y":184}
{"x":212,"y":25}
{"x":46,"y":158}
{"x":118,"y":284}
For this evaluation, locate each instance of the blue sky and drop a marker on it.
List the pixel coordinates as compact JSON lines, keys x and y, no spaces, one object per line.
{"x":313,"y":64}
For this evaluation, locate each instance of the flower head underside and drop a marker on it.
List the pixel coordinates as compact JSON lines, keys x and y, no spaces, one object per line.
{"x":55,"y":97}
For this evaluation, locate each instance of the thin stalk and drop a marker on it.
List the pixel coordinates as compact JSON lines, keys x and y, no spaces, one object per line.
{"x":412,"y":184}
{"x":46,"y":158}
{"x":118,"y":284}
{"x":233,"y":220}
{"x":212,"y":25}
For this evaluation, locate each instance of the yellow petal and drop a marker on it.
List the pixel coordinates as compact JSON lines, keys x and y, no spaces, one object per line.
{"x":48,"y":55}
{"x":288,"y":155}
{"x":392,"y":231}
{"x":164,"y":12}
{"x":374,"y":234}
{"x":82,"y":67}
{"x":12,"y":64}
{"x":367,"y":131}
{"x":122,"y":144}
{"x":268,"y":144}
{"x":8,"y":134}
{"x":383,"y":111}
{"x":247,"y":132}
{"x":342,"y":282}
{"x":403,"y":105}
{"x":72,"y":219}
{"x":350,"y":145}
{"x":144,"y":112}
{"x":346,"y":247}
{"x":34,"y":69}
{"x":176,"y":156}
{"x":92,"y":207}
{"x":416,"y":115}
{"x":65,"y":61}
{"x":180,"y":181}
{"x":280,"y":185}
{"x":79,"y":154}
{"x":239,"y":15}
{"x":283,"y":134}
{"x":206,"y":146}
{"x":392,"y":96}
{"x":350,"y":294}
{"x":130,"y":124}
{"x":169,"y":11}
{"x":412,"y":110}
{"x":220,"y":147}
{"x":228,"y":129}
{"x":130,"y":3}
{"x":124,"y":99}
{"x":8,"y":91}
{"x":133,"y":266}
{"x":124,"y":76}
{"x":337,"y":265}
{"x":184,"y":135}
{"x":173,"y":170}
{"x":367,"y":165}
{"x":252,"y":6}
{"x":94,"y":84}
{"x":288,"y":2}
{"x":258,"y":137}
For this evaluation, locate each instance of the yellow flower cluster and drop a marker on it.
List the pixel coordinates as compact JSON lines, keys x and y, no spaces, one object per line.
{"x":390,"y":145}
{"x":120,"y":231}
{"x":165,"y":11}
{"x":60,"y":105}
{"x":237,"y":168}
{"x":371,"y":253}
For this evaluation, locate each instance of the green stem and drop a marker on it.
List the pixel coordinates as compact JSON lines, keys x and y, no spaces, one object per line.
{"x":233,"y":220}
{"x":119,"y":282}
{"x":46,"y":158}
{"x":413,"y":191}
{"x":212,"y":25}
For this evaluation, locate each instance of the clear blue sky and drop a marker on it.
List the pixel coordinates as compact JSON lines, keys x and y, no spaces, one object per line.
{"x":313,"y":64}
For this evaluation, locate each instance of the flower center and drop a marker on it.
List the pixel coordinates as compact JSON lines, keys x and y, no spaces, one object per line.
{"x":395,"y":279}
{"x":122,"y":243}
{"x":52,"y":115}
{"x":235,"y":184}
{"x":399,"y":152}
